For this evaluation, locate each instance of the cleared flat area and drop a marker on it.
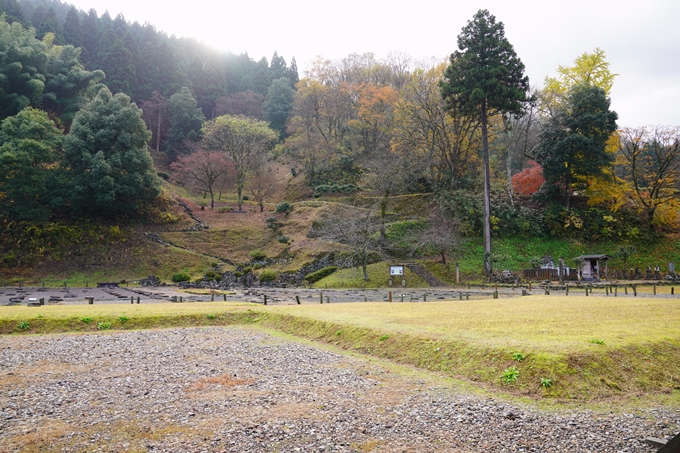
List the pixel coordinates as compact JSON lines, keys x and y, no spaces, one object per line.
{"x":547,"y":323}
{"x":565,"y":348}
{"x":235,"y":389}
{"x":554,"y":323}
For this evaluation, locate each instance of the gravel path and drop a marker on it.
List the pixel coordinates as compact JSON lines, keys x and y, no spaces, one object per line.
{"x":242,"y":390}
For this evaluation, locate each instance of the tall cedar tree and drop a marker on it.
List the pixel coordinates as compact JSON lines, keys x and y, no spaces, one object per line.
{"x":572,"y":144}
{"x":485,"y":77}
{"x":72,"y":33}
{"x":120,"y":69}
{"x":107,"y":158}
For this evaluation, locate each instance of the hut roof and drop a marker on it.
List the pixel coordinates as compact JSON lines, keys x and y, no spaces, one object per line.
{"x":594,"y":257}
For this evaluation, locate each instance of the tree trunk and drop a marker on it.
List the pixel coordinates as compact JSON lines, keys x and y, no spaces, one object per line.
{"x":511,"y":190}
{"x":383,"y":214}
{"x":239,"y":190}
{"x":158,"y":131}
{"x":443,"y":253}
{"x":364,"y":265}
{"x":487,"y":196}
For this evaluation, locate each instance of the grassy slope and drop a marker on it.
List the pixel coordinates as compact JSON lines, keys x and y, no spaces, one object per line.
{"x":378,"y":275}
{"x":519,"y":251}
{"x":233,"y":236}
{"x":592,"y":349}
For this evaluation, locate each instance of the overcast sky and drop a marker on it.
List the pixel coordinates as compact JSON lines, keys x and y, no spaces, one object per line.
{"x":641,"y":38}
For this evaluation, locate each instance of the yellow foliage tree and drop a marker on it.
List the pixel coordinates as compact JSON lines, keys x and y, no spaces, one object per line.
{"x":590,"y":68}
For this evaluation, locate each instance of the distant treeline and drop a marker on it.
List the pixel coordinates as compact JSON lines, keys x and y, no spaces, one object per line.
{"x":139,"y":60}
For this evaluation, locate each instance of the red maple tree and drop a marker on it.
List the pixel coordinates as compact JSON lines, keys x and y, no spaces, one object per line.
{"x":529,"y":180}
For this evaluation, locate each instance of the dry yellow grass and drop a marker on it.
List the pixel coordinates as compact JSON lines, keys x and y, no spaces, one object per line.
{"x":551,"y":323}
{"x":129,"y":310}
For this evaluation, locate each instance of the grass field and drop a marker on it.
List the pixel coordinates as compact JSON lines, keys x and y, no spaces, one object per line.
{"x":561,"y":348}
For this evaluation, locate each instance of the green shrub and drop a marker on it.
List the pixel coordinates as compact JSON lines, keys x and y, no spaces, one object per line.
{"x":257,"y":266}
{"x":104,"y":325}
{"x":211,"y":316}
{"x":247,"y":270}
{"x":545,"y":382}
{"x":510,"y":375}
{"x":283,"y":239}
{"x":123,"y":319}
{"x":181,"y":277}
{"x":271,"y":220}
{"x":321,"y":273}
{"x":284,"y":207}
{"x":213,"y":275}
{"x":257,"y":255}
{"x":23,"y":325}
{"x":162,"y":174}
{"x":86,"y":320}
{"x":517,"y":356}
{"x":268,"y":275}
{"x":224,"y":209}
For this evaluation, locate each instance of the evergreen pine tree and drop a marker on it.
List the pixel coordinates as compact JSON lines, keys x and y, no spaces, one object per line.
{"x":120,"y":69}
{"x":13,"y":12}
{"x":186,"y":119}
{"x":50,"y":24}
{"x":262,"y":77}
{"x":72,"y":32}
{"x":120,"y":25}
{"x":292,"y":72}
{"x":277,"y":66}
{"x":90,"y":35}
{"x":485,"y":77}
{"x":279,"y":104}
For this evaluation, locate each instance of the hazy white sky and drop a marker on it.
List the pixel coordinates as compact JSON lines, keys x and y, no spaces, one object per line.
{"x":641,"y":38}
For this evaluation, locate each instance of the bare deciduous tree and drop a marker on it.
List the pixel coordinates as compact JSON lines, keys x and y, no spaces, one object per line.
{"x":358,"y":230}
{"x":261,"y":184}
{"x":203,"y":170}
{"x":441,"y":235}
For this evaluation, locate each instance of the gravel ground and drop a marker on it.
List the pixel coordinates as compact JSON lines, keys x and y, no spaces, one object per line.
{"x":242,"y":390}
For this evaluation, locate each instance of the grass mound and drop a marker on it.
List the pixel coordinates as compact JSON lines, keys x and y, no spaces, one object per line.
{"x":378,"y":275}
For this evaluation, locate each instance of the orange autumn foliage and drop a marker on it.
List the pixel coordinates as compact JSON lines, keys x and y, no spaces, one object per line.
{"x":529,"y":180}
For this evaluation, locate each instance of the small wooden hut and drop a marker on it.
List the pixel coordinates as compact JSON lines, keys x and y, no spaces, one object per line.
{"x":592,"y":267}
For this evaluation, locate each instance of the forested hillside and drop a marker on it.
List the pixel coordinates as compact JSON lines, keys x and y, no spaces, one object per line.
{"x":83,"y":97}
